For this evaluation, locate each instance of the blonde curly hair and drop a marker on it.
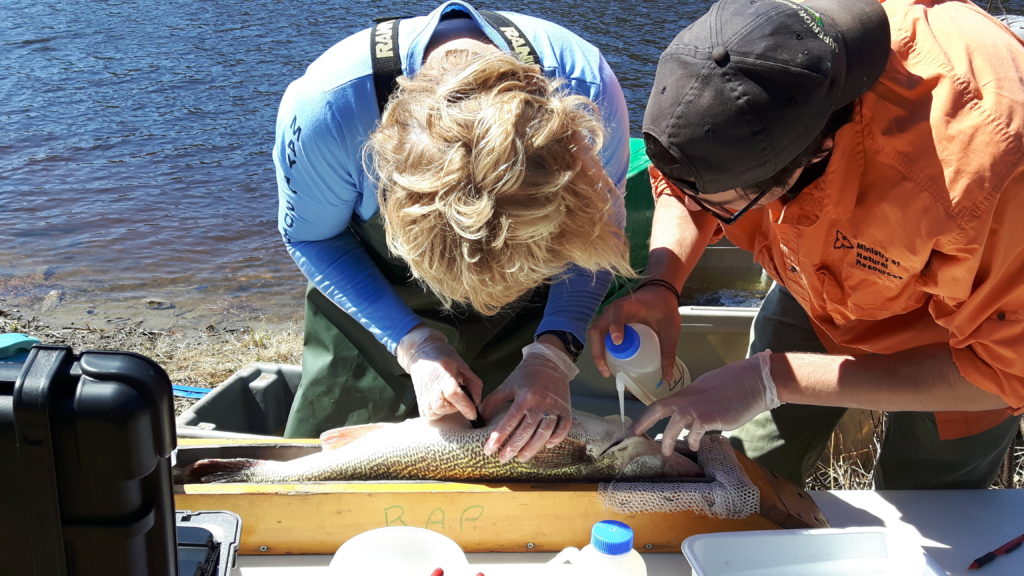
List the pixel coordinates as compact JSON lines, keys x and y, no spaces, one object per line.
{"x":490,"y":182}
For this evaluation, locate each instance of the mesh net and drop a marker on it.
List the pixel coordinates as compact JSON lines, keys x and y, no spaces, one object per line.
{"x":729,"y":494}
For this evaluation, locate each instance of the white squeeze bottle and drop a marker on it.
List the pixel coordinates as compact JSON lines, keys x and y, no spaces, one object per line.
{"x":610,"y":552}
{"x":636,"y":364}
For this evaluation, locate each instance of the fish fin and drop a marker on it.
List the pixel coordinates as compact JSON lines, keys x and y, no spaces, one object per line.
{"x":338,"y":437}
{"x":679,"y":466}
{"x":567,"y":453}
{"x":221,"y":470}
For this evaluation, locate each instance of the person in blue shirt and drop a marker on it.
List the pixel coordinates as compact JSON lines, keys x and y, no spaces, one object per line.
{"x":457,"y":244}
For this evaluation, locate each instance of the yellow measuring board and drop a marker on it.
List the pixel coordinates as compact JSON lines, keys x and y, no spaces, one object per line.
{"x":317,"y":517}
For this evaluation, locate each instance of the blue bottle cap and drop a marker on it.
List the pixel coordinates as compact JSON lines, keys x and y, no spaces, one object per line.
{"x":629,"y":346}
{"x":612,"y":537}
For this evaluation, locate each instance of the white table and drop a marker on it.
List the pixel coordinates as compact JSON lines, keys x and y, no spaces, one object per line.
{"x":953,"y":526}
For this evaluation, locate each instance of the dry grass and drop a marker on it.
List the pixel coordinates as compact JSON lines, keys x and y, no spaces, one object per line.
{"x":848,"y":461}
{"x":191,"y":357}
{"x":850,"y":454}
{"x":1012,"y":474}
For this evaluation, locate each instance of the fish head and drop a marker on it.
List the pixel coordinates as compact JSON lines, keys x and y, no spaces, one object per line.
{"x":632,"y":456}
{"x":641,"y":457}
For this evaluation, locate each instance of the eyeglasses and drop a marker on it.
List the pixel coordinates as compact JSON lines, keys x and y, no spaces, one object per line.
{"x":724,"y":215}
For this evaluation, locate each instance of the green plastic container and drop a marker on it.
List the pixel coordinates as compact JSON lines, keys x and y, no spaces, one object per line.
{"x":639,"y":204}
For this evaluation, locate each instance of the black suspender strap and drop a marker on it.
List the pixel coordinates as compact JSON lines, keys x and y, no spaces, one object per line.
{"x":386,"y":59}
{"x":517,"y":41}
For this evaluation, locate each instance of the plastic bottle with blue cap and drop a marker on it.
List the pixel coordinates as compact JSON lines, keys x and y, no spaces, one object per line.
{"x":636,"y":364}
{"x":610,"y":552}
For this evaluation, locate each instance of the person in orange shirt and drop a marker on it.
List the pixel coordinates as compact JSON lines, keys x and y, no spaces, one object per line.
{"x":877,"y":174}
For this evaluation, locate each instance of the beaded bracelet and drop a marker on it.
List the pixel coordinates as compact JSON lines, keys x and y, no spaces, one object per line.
{"x":659,"y":282}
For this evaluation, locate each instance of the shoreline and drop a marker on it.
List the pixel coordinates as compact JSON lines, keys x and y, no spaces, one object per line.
{"x":191,"y":356}
{"x":159,"y":308}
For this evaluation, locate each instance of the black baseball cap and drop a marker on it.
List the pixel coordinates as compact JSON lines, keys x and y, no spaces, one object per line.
{"x":743,"y":90}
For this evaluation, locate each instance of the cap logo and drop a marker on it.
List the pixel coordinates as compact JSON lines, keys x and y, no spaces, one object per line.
{"x":813,"y":20}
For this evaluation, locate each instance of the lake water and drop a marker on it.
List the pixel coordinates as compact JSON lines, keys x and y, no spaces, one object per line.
{"x":136,"y":179}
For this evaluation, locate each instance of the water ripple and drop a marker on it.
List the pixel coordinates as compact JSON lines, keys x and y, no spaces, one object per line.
{"x":136,"y":159}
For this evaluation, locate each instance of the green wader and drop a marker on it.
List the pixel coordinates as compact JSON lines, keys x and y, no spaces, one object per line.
{"x":349,"y":378}
{"x":790,"y":439}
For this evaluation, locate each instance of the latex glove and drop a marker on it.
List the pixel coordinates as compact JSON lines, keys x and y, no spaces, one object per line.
{"x":723,"y":399}
{"x":443,"y":382}
{"x":652,"y":305}
{"x":540,"y":415}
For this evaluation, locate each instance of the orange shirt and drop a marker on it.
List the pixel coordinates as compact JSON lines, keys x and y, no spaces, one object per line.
{"x":914,"y":234}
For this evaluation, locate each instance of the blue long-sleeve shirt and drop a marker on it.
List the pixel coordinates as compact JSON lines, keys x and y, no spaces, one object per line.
{"x":323,"y":122}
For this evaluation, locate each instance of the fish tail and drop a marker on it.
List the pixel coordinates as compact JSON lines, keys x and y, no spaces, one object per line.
{"x":223,"y":470}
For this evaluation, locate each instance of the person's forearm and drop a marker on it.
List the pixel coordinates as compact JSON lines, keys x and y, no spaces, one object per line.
{"x":678,"y":238}
{"x":572,"y":301}
{"x":920,"y":380}
{"x":344,"y":272}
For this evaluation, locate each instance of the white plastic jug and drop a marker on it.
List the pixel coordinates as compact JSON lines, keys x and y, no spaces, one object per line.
{"x":636,"y":363}
{"x":610,"y":552}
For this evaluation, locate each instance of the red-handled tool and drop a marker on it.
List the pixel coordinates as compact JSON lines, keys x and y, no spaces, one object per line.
{"x":1004,"y":549}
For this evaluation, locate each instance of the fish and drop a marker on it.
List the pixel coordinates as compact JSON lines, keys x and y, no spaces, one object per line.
{"x":449,"y":449}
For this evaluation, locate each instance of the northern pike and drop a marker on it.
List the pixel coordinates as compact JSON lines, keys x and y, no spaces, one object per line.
{"x":449,"y":449}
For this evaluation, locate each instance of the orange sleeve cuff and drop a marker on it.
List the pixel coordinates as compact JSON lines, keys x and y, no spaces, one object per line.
{"x":953,"y":425}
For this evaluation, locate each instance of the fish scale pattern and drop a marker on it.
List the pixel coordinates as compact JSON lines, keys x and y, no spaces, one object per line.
{"x":420,"y":450}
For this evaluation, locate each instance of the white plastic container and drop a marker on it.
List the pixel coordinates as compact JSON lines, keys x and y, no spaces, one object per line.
{"x":855,"y":551}
{"x":610,"y":552}
{"x":398,"y":551}
{"x":636,"y":363}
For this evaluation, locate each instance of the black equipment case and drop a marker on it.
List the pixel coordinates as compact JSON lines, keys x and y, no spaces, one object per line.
{"x":85,"y":471}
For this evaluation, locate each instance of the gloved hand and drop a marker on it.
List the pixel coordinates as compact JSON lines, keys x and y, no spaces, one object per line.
{"x":540,"y":415}
{"x":653,"y":305}
{"x":443,"y":381}
{"x":723,"y":399}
